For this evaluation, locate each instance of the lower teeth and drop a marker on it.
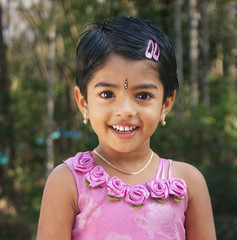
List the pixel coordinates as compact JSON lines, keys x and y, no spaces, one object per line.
{"x":124,"y":131}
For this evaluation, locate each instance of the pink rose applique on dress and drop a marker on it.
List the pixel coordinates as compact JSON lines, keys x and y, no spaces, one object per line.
{"x":85,"y":162}
{"x":158,"y":189}
{"x":177,"y":188}
{"x":136,"y":195}
{"x":116,"y":189}
{"x":97,"y":177}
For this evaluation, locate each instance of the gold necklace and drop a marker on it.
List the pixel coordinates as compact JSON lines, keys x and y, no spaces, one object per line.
{"x":123,"y":171}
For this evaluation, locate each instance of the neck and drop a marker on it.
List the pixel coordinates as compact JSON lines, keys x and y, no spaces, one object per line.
{"x":128,"y":161}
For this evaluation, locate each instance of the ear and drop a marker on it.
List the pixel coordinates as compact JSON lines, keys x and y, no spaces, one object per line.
{"x":81,"y":101}
{"x":167,"y":105}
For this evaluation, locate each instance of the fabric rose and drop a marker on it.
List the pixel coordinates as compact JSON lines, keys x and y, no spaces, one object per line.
{"x":97,"y":177}
{"x":177,"y":188}
{"x":116,"y":188}
{"x":158,"y":189}
{"x":136,"y":195}
{"x":85,"y":162}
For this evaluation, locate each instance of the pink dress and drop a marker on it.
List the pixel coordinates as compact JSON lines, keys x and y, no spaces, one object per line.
{"x":112,"y":210}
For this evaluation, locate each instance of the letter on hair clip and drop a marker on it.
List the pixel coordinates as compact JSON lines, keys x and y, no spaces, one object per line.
{"x":157,"y":49}
{"x":152,"y":51}
{"x":149,"y":52}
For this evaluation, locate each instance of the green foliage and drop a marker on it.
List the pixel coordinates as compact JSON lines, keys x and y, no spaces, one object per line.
{"x":29,"y":185}
{"x":226,"y":226}
{"x":206,"y":138}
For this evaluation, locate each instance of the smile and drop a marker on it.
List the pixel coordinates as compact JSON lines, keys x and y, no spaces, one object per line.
{"x":123,"y":129}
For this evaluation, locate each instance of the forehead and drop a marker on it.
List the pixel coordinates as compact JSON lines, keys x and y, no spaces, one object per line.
{"x":117,"y":67}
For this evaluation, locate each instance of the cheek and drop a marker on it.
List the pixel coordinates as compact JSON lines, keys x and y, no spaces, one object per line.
{"x":153,"y":124}
{"x":152,"y":117}
{"x":153,"y":112}
{"x":98,"y":118}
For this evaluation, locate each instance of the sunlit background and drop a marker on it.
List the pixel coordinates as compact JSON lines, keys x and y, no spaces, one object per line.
{"x":40,"y":125}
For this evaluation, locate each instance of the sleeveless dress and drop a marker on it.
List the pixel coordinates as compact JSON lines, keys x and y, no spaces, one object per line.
{"x":112,"y":210}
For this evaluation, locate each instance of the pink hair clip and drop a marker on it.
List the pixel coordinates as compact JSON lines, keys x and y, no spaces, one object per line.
{"x":152,"y":50}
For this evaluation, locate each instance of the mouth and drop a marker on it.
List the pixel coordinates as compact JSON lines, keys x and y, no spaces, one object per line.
{"x":124,"y":129}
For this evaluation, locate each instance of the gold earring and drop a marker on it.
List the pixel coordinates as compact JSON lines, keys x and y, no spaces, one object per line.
{"x":85,"y":121}
{"x":163,"y":122}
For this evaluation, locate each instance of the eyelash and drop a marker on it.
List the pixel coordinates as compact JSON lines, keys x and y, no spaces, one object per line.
{"x":106,"y":93}
{"x":140,"y":96}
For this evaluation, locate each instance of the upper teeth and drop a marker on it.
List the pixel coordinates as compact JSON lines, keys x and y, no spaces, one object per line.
{"x":122,"y":128}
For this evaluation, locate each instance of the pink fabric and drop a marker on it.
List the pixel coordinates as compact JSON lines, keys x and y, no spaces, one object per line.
{"x":103,"y":218}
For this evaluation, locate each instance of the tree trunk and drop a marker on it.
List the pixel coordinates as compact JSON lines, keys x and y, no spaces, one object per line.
{"x":204,"y":46}
{"x":50,"y":94}
{"x":179,"y":54}
{"x":193,"y":51}
{"x":7,"y":137}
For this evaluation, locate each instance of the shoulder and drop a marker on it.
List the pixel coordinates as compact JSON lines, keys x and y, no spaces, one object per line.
{"x":199,"y":218}
{"x":61,"y":184}
{"x":61,"y":170}
{"x":59,"y":205}
{"x":191,"y":175}
{"x":199,"y":221}
{"x":186,"y":170}
{"x":61,"y":175}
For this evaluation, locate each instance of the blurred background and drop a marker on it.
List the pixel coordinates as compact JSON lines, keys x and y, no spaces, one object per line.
{"x":40,"y":125}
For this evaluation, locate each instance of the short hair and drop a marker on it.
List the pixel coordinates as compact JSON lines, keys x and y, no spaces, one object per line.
{"x":127,"y":37}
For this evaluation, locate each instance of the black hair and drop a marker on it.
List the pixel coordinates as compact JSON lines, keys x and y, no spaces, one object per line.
{"x":127,"y":37}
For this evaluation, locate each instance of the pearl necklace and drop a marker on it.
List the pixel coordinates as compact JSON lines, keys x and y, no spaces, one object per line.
{"x":123,"y":171}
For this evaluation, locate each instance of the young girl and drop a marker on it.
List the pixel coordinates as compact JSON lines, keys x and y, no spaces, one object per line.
{"x":122,"y":190}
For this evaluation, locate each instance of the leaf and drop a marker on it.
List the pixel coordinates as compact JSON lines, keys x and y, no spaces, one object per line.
{"x":178,"y":200}
{"x":113,"y":198}
{"x":161,"y":200}
{"x":137,"y":207}
{"x":87,"y":183}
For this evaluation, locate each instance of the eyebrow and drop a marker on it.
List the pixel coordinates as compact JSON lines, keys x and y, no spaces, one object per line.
{"x":146,"y":86}
{"x":105,"y":84}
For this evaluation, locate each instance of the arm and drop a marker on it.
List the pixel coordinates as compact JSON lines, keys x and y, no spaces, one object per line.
{"x":199,"y":218}
{"x":59,"y":206}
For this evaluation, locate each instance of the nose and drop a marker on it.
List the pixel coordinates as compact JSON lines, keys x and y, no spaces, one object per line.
{"x":125,"y":107}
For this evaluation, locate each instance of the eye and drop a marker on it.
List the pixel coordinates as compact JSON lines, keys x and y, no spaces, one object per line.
{"x":107,"y":94}
{"x":144,"y":96}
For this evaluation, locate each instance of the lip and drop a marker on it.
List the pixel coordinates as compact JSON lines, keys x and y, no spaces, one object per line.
{"x":125,"y":134}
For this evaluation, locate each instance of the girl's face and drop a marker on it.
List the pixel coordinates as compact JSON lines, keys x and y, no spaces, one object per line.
{"x":124,"y":103}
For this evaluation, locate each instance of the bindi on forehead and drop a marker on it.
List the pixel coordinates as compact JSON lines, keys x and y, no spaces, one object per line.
{"x":126,"y":84}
